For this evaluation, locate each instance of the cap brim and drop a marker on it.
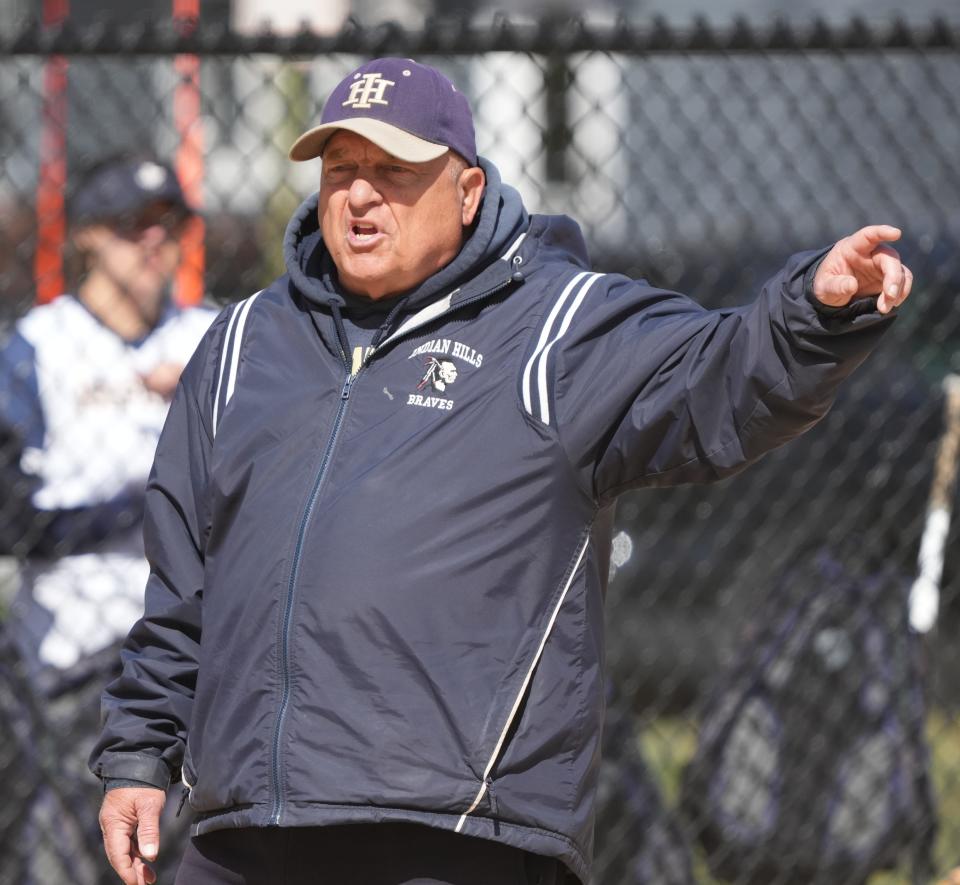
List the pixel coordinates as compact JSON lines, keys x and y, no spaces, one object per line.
{"x":397,"y":142}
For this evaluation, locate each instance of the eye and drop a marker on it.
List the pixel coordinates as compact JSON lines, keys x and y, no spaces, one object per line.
{"x":339,"y":171}
{"x":398,"y":172}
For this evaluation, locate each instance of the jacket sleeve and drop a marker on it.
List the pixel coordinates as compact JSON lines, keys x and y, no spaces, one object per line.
{"x":28,"y":531}
{"x":25,"y":529}
{"x":650,"y":389}
{"x":146,"y":709}
{"x":21,"y":425}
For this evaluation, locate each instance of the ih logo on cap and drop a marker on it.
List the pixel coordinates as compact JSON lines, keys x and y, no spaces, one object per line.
{"x":368,"y":91}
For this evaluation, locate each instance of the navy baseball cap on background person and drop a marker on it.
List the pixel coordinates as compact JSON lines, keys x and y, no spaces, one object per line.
{"x":408,"y":109}
{"x":122,"y":188}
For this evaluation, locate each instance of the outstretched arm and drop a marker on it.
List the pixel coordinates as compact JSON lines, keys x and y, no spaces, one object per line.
{"x":646,"y":387}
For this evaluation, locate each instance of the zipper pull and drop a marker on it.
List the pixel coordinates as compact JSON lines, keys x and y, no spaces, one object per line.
{"x":345,"y":393}
{"x":517,"y":275}
{"x":183,"y":799}
{"x":494,"y":805}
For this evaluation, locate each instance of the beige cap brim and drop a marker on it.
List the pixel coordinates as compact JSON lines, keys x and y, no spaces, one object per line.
{"x":398,"y":142}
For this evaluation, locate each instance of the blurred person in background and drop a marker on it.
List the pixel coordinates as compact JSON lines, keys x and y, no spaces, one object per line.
{"x":85,"y":384}
{"x":373,"y":638}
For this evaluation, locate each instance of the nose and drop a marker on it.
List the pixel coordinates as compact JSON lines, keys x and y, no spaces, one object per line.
{"x":363,"y":193}
{"x":153,"y":236}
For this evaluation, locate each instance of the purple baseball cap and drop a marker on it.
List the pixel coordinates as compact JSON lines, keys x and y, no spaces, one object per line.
{"x":409,"y":110}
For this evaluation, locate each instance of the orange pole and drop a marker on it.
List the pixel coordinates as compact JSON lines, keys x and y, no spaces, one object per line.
{"x":52,"y":173}
{"x":189,"y":159}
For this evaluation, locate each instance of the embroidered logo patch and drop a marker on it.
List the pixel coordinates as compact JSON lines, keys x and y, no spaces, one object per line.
{"x":439,"y":358}
{"x":439,"y":374}
{"x":367,"y":91}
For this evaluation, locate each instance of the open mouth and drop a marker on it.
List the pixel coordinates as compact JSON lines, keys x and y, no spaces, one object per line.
{"x":362,"y":233}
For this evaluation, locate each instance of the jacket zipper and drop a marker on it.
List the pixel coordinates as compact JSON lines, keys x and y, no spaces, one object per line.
{"x":277,"y":811}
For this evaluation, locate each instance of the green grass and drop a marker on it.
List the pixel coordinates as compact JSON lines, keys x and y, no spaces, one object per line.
{"x":668,"y":744}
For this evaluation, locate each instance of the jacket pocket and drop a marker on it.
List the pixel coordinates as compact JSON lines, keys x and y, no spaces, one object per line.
{"x":188,"y":773}
{"x":512,"y":701}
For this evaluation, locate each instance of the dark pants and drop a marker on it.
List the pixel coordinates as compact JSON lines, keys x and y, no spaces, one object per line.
{"x":359,"y":854}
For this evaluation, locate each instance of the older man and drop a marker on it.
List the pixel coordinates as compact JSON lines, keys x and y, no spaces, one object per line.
{"x":376,"y":590}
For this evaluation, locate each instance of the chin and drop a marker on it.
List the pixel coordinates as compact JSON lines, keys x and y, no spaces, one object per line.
{"x":370,"y":284}
{"x":373,"y":292}
{"x":151,"y":300}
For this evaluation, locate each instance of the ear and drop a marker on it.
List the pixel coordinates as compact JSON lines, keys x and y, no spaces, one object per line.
{"x":471,"y":183}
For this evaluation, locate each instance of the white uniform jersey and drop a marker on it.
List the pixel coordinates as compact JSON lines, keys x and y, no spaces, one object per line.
{"x":90,"y":435}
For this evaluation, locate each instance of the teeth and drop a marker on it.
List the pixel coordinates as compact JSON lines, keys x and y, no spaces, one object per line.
{"x":364,"y":233}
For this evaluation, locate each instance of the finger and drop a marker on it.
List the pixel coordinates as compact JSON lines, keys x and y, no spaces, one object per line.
{"x":145,"y":873}
{"x":892,"y":269}
{"x":119,"y":848}
{"x":904,"y":295}
{"x":886,"y":302}
{"x":884,"y":249}
{"x":867,"y":238}
{"x":836,"y":289}
{"x":148,"y":831}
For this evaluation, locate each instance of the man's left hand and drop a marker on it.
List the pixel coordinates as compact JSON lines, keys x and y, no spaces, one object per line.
{"x":861,"y":266}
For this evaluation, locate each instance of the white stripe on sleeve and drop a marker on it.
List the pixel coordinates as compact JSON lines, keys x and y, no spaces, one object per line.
{"x":542,"y":341}
{"x":238,"y":340}
{"x":231,"y":346}
{"x":227,"y":340}
{"x":542,"y":368}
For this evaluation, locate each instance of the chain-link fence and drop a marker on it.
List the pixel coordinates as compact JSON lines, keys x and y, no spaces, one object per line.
{"x":696,"y":159}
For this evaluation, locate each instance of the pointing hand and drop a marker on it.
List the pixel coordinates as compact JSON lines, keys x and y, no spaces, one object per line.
{"x":863,"y":265}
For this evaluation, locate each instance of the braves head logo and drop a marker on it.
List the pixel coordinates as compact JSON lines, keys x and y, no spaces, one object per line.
{"x":439,"y":374}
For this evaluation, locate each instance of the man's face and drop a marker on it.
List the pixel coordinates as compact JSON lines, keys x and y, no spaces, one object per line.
{"x":387,"y":223}
{"x":139,"y":256}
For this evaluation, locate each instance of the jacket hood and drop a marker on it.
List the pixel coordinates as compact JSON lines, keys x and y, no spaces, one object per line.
{"x":502,"y":218}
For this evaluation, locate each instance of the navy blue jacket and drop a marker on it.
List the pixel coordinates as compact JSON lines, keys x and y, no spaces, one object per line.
{"x":377,"y":595}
